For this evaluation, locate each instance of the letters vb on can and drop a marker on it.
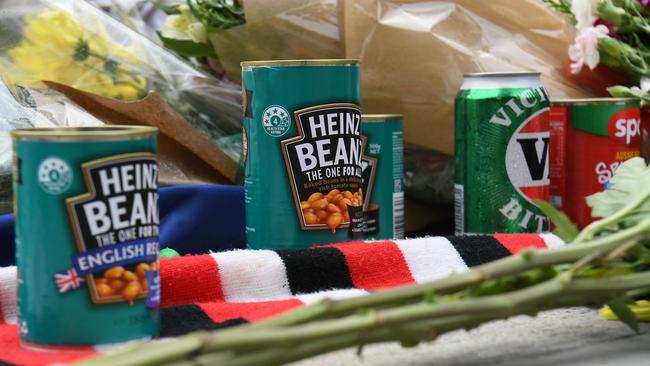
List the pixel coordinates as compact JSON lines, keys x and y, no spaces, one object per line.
{"x":502,"y":153}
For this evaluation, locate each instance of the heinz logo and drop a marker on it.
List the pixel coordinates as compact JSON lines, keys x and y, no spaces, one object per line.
{"x":625,"y":126}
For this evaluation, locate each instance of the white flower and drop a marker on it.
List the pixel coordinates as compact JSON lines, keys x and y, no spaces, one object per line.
{"x":585,"y":49}
{"x":644,"y":88}
{"x":184,"y":26}
{"x":584,"y":12}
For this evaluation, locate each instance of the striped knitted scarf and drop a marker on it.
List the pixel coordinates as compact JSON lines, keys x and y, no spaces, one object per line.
{"x":224,"y":289}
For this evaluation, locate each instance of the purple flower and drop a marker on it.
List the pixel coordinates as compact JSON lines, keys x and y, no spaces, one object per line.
{"x":645,"y":2}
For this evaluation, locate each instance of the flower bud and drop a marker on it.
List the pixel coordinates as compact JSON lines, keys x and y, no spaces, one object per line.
{"x":619,"y":91}
{"x":612,"y":13}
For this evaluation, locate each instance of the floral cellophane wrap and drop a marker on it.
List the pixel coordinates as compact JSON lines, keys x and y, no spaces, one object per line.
{"x":413,"y":53}
{"x":74,"y":43}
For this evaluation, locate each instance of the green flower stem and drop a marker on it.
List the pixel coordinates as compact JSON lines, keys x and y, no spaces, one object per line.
{"x":152,"y":354}
{"x":526,"y":260}
{"x":278,"y":346}
{"x":286,"y":345}
{"x":503,"y":305}
{"x":116,"y":68}
{"x":385,"y":318}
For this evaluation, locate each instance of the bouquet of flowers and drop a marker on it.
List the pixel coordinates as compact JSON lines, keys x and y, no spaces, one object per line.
{"x":188,"y":24}
{"x":76,"y":44}
{"x":613,"y":43}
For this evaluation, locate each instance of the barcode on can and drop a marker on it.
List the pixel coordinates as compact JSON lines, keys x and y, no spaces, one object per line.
{"x":398,"y":215}
{"x":459,"y":208}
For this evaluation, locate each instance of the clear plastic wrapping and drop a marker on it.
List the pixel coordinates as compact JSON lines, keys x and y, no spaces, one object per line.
{"x":87,"y":51}
{"x":76,"y":44}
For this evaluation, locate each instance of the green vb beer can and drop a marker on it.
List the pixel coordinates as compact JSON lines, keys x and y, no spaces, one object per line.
{"x":86,"y":207}
{"x":303,"y":151}
{"x":383,"y":176}
{"x":501,"y":153}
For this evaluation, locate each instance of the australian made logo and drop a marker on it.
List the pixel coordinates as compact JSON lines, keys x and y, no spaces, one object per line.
{"x":527,"y":156}
{"x":115,"y":225}
{"x":325,"y":156}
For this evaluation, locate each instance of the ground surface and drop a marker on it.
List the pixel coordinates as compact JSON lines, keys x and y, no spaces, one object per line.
{"x":575,"y":337}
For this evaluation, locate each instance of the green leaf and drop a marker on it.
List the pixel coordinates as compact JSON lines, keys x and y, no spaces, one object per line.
{"x":564,"y":228}
{"x":170,"y":9}
{"x":187,"y":47}
{"x":623,"y":312}
{"x":631,"y":180}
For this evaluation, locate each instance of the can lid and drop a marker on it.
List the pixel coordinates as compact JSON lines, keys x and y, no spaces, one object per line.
{"x":83,"y":133}
{"x":498,"y":74}
{"x":312,"y":62}
{"x":497,"y":80}
{"x":585,"y":101}
{"x":380,"y":117}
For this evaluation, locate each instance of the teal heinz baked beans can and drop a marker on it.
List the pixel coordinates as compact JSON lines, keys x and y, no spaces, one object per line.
{"x":383,"y":176}
{"x":86,"y":205}
{"x":303,"y":152}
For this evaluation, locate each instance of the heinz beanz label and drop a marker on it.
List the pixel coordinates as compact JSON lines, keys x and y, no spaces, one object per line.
{"x":87,"y":235}
{"x":303,"y":168}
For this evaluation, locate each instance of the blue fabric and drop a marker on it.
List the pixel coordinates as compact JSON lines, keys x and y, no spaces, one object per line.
{"x":193,"y":219}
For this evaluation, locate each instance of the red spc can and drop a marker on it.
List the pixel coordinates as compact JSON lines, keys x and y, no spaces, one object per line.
{"x":590,"y":138}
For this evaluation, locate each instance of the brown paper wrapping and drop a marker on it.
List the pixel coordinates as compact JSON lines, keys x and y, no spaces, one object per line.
{"x":413,"y":53}
{"x":276,"y":30}
{"x":180,"y":145}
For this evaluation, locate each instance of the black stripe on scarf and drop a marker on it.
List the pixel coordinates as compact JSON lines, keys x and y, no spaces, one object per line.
{"x":182,"y":319}
{"x":478,"y":249}
{"x":313,"y":270}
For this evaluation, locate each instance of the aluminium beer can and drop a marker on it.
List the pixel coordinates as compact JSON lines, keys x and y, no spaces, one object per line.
{"x":501,"y":153}
{"x":383,"y":176}
{"x":303,"y":152}
{"x":599,"y":135}
{"x":86,"y":205}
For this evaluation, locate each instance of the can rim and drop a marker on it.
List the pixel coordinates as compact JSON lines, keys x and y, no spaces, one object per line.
{"x":579,"y":101}
{"x":505,"y":73}
{"x":380,"y":117}
{"x":84,"y":132}
{"x":303,"y":62}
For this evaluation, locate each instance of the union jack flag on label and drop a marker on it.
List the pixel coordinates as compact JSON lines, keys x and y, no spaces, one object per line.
{"x":68,"y":280}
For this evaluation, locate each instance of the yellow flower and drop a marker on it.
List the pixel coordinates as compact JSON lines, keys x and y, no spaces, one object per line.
{"x":641,"y":310}
{"x":56,"y":47}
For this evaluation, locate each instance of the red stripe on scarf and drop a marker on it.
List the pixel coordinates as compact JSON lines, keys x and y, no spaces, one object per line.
{"x":14,"y":353}
{"x":515,"y":243}
{"x":368,"y":264}
{"x":199,"y":280}
{"x":251,"y":311}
